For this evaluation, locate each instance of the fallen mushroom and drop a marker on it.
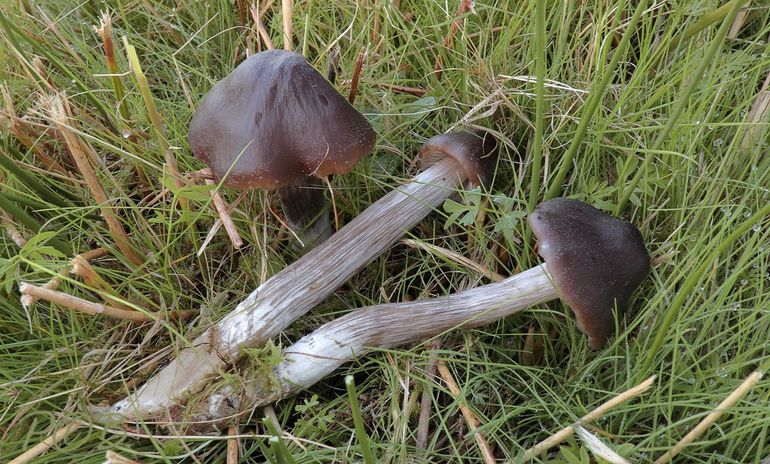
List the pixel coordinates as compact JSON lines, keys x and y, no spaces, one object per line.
{"x":593,"y":262}
{"x":448,"y":161}
{"x":275,"y":123}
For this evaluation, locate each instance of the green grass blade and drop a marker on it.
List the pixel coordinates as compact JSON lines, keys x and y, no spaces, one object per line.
{"x":537,"y":143}
{"x":716,"y":44}
{"x":596,"y":96}
{"x":355,"y":409}
{"x":21,"y":216}
{"x":689,"y":284}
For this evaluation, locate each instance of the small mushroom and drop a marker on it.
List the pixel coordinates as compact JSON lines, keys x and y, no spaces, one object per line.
{"x":596,"y":261}
{"x":593,"y":263}
{"x":449,"y":161}
{"x":275,"y":123}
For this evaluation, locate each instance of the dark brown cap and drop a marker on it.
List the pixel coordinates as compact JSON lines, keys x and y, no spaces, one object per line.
{"x":476,"y":151}
{"x":596,"y":261}
{"x":280,"y":119}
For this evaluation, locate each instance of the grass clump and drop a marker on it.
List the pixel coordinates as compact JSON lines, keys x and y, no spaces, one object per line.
{"x":656,"y":112}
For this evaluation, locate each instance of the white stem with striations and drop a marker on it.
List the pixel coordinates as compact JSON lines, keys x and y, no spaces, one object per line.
{"x":316,"y":355}
{"x":295,"y":290}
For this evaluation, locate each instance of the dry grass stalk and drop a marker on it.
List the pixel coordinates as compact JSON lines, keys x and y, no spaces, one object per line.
{"x":759,"y":112}
{"x":232,"y":445}
{"x":105,"y":33}
{"x":45,"y":445}
{"x":470,"y":417}
{"x":605,"y":407}
{"x":356,"y":78}
{"x":740,"y":20}
{"x":16,"y":128}
{"x":714,"y":416}
{"x":261,"y":27}
{"x":95,"y":309}
{"x":37,"y":63}
{"x":286,"y":7}
{"x":12,"y":231}
{"x":83,"y":155}
{"x":462,"y":8}
{"x":224,"y":214}
{"x":53,"y":284}
{"x":115,"y":458}
{"x":403,"y":89}
{"x":83,"y":269}
{"x":333,"y":64}
{"x":426,"y":401}
{"x":456,"y":258}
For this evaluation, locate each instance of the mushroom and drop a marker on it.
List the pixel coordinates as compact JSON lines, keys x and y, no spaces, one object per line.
{"x":593,"y":262}
{"x":448,"y":161}
{"x":275,"y":123}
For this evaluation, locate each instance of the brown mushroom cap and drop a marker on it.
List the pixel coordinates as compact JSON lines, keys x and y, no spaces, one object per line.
{"x":273,"y":119}
{"x":476,"y":151}
{"x":596,"y":261}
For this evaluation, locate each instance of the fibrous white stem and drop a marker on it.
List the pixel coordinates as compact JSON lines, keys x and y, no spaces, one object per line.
{"x":384,"y":326}
{"x":295,"y":290}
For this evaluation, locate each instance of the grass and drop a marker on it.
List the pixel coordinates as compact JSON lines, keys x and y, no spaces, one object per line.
{"x":653,"y":122}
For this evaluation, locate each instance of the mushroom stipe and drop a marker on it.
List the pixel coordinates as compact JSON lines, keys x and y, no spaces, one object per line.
{"x":574,"y":238}
{"x":449,"y":160}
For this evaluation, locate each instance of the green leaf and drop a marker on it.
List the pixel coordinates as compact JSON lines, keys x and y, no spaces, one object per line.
{"x":570,"y":456}
{"x":469,"y":218}
{"x":505,"y":202}
{"x":34,"y":248}
{"x":451,"y":206}
{"x":416,"y":110}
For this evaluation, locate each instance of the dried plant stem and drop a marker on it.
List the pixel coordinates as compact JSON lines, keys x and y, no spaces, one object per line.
{"x":232,"y":445}
{"x":53,"y":284}
{"x":403,"y":89}
{"x":224,"y":214}
{"x":83,"y":269}
{"x":83,"y":156}
{"x":286,"y":7}
{"x":104,"y":30}
{"x":105,"y":33}
{"x":46,"y":444}
{"x":714,"y":416}
{"x":455,"y":257}
{"x":17,"y":130}
{"x":356,"y":78}
{"x":12,"y":231}
{"x":758,"y":113}
{"x":462,"y":8}
{"x":423,"y":422}
{"x":95,"y":309}
{"x":740,"y":20}
{"x":115,"y":458}
{"x":600,"y":411}
{"x":257,"y":17}
{"x":470,"y":417}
